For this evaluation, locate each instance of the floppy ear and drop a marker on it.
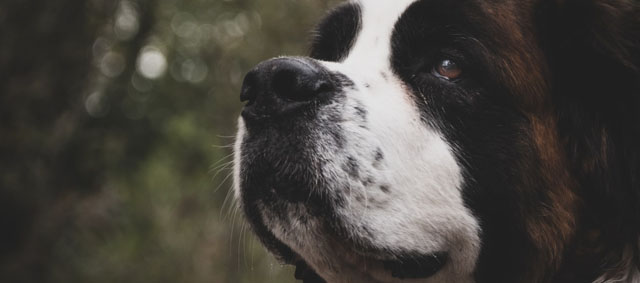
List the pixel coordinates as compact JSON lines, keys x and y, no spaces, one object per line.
{"x":593,"y":48}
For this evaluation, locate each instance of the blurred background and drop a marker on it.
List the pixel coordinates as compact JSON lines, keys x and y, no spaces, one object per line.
{"x":116,"y":118}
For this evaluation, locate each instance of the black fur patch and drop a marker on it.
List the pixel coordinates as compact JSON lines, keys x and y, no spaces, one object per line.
{"x":336,"y":34}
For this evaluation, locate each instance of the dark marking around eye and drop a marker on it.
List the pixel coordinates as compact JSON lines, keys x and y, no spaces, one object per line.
{"x":336,"y":34}
{"x":385,"y":189}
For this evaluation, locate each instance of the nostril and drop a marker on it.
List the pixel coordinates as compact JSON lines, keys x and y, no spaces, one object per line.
{"x":248,"y":92}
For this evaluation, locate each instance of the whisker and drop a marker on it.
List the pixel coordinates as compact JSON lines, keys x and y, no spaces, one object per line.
{"x":223,"y":167}
{"x":235,"y":210}
{"x":224,"y":158}
{"x":223,"y":146}
{"x":226,"y":137}
{"x":251,"y":251}
{"x":241,"y":245}
{"x":233,"y":231}
{"x":229,"y":191}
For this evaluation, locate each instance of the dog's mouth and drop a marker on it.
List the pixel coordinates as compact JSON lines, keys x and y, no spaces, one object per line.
{"x":416,"y":267}
{"x":403,"y":267}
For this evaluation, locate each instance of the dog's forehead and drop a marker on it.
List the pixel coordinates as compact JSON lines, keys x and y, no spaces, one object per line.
{"x":372,"y":47}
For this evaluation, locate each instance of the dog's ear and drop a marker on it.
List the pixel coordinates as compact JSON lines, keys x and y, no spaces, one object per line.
{"x":593,"y":50}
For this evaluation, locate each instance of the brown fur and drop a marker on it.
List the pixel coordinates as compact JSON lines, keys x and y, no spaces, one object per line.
{"x":553,"y":225}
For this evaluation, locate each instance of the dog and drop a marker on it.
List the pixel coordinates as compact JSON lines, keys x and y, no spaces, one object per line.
{"x":450,"y":141}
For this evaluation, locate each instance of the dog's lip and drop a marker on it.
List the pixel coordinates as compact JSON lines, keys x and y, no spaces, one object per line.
{"x":402,"y":264}
{"x":416,"y":266}
{"x":408,"y":264}
{"x":401,"y":267}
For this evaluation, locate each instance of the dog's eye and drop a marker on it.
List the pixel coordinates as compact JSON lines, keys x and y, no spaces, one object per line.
{"x":447,"y":69}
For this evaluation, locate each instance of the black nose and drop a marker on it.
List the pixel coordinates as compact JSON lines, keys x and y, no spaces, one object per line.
{"x":283,"y":85}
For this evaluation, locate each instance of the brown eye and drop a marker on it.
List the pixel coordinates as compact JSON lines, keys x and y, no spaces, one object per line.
{"x":448,"y":69}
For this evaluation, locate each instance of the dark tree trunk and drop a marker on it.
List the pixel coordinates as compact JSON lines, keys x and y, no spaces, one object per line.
{"x":45,"y":61}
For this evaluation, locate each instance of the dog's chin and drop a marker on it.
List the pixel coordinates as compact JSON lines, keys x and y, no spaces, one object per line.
{"x":306,"y":221}
{"x":325,"y":249}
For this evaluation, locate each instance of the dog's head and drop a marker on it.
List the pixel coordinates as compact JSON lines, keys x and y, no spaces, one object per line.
{"x":447,"y":141}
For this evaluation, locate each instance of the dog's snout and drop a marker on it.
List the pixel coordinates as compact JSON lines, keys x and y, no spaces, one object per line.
{"x":282,"y":85}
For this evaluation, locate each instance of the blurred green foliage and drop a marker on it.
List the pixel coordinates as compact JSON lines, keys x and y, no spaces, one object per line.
{"x":138,"y":189}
